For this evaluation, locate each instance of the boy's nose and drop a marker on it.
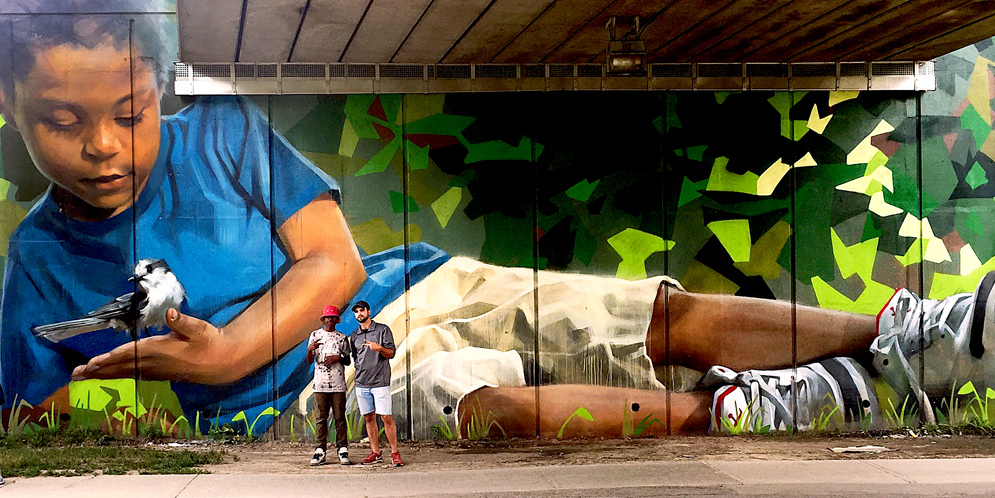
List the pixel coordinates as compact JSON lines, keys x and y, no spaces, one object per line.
{"x":102,"y":143}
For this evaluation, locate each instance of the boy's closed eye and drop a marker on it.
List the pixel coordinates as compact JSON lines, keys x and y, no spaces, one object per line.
{"x":129,"y":121}
{"x":61,"y":120}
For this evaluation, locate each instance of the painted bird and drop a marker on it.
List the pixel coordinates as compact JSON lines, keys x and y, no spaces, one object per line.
{"x":158,"y":290}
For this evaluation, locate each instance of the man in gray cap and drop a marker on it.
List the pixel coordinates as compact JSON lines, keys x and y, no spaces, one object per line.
{"x":373,"y":347}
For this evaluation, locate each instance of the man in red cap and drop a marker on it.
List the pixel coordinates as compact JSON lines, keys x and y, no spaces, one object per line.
{"x":329,"y":350}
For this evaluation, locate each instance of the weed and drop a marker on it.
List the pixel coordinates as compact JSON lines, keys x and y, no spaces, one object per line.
{"x":222,"y":432}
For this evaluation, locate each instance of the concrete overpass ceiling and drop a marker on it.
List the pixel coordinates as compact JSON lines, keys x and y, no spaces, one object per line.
{"x":573,"y":31}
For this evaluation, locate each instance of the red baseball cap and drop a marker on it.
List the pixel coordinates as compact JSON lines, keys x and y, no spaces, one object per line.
{"x":331,"y":311}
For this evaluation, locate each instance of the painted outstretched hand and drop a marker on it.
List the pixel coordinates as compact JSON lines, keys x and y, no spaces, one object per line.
{"x":193,"y":351}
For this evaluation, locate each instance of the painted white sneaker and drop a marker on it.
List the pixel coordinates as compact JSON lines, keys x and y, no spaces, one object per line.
{"x":344,"y":456}
{"x":830,"y":394}
{"x":950,"y":337}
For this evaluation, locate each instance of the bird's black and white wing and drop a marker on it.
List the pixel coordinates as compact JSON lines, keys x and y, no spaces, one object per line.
{"x":113,"y":314}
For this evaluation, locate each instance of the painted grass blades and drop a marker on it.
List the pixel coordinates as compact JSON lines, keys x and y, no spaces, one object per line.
{"x":579,"y":412}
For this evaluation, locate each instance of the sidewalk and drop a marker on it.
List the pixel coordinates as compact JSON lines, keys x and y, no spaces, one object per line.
{"x":892,"y":477}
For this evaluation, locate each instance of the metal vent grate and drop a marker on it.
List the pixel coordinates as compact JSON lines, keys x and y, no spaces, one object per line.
{"x":402,"y":71}
{"x":454,"y":71}
{"x":212,"y":71}
{"x":853,"y":69}
{"x":361,"y":70}
{"x":497,"y":71}
{"x":813,"y":70}
{"x":589,"y":70}
{"x":720,"y":70}
{"x":182,"y":70}
{"x":266,"y":70}
{"x":245,"y":70}
{"x":533,"y":71}
{"x":561,"y":70}
{"x":303,"y":71}
{"x":211,"y":78}
{"x":671,"y":70}
{"x":893,"y":69}
{"x":767,"y":70}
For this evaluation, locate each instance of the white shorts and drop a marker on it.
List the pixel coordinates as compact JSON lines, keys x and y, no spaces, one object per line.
{"x":372,"y":399}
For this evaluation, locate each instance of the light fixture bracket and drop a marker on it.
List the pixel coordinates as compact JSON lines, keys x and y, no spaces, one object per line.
{"x":626,"y":53}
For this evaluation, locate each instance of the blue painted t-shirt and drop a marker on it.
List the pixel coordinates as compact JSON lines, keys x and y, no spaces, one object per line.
{"x":223,"y":183}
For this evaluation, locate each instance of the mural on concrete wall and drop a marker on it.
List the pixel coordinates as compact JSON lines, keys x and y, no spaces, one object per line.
{"x":601,"y":264}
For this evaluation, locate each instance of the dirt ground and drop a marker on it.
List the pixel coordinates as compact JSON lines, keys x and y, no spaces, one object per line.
{"x":283,"y":457}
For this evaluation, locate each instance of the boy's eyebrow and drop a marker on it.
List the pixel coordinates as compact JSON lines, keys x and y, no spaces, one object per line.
{"x":123,"y":99}
{"x":44,"y":103}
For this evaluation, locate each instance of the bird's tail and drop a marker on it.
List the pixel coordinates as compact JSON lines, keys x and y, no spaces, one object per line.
{"x":60,"y":331}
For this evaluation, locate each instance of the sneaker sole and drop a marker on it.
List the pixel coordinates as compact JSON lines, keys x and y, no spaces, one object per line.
{"x":373,"y":462}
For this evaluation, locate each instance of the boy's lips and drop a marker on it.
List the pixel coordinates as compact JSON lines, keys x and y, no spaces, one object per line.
{"x":107,"y":182}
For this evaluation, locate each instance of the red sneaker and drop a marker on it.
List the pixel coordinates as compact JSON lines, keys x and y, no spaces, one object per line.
{"x":395,"y":458}
{"x":373,"y":458}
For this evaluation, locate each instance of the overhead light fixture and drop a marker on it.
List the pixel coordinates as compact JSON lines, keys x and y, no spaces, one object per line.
{"x":626,"y":52}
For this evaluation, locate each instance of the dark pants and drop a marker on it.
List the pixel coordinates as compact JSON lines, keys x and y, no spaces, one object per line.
{"x":335,"y":401}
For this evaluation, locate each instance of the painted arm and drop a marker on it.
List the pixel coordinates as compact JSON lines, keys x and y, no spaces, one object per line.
{"x":325,"y":264}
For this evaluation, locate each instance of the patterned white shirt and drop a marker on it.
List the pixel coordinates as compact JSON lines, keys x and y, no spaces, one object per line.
{"x":329,"y":379}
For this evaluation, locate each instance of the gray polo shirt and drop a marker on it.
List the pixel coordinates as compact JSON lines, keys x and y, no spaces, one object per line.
{"x":372,"y":368}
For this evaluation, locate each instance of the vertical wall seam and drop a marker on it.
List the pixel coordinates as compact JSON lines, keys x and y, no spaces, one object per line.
{"x":922,"y":262}
{"x":407,"y":270}
{"x":134,"y":200}
{"x":793,"y":249}
{"x":272,"y":261}
{"x":536,"y":367}
{"x":668,"y":368}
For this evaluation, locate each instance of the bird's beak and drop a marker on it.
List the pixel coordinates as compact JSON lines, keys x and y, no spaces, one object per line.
{"x":134,"y":278}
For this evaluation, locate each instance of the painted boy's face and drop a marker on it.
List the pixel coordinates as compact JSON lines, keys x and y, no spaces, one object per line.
{"x":83,"y":125}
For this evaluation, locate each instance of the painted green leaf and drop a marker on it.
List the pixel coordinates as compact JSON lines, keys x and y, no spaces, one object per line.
{"x":976,"y":177}
{"x":586,"y":415}
{"x":582,"y":190}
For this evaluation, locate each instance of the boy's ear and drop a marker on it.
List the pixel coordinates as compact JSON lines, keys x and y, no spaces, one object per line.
{"x":6,"y":111}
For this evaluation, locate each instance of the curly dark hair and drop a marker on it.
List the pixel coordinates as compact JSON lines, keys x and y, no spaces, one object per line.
{"x":28,"y":26}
